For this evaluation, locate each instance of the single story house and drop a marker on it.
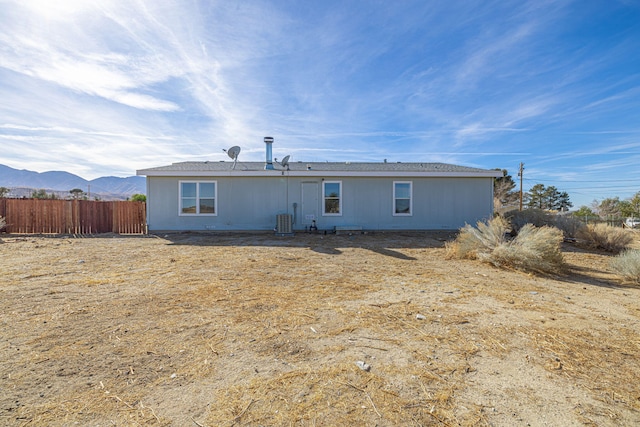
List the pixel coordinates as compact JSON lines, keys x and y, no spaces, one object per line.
{"x":299,"y":196}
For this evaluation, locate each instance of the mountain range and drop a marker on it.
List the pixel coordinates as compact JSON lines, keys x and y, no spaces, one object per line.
{"x":24,"y":182}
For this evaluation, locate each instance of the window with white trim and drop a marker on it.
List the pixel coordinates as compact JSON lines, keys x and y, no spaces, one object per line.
{"x":402,"y":198}
{"x":332,"y":198}
{"x":198,"y":198}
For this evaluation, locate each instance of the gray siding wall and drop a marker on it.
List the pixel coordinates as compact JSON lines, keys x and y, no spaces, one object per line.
{"x":246,"y":203}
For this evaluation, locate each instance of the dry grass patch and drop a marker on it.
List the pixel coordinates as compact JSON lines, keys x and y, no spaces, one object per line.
{"x":341,"y":395}
{"x":600,"y":361}
{"x":255,"y":330}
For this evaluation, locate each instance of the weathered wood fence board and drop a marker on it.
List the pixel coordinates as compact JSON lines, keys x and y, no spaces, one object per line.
{"x":39,"y":216}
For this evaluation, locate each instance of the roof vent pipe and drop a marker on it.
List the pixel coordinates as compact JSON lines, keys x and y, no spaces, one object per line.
{"x":269,"y":163}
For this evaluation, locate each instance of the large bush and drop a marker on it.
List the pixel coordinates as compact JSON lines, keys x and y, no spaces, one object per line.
{"x":537,"y":217}
{"x":534,"y":249}
{"x":568,"y":224}
{"x":605,"y":237}
{"x":627,"y":265}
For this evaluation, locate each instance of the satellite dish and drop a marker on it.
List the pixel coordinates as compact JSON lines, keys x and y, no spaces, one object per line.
{"x":285,"y":162}
{"x":233,"y":152}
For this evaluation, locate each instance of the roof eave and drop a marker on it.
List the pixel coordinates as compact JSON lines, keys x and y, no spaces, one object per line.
{"x":319,"y":173}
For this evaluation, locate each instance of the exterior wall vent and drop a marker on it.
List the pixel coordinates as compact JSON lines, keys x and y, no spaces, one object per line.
{"x":284,"y":224}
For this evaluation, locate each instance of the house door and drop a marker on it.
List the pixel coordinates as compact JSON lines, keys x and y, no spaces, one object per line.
{"x":310,"y":204}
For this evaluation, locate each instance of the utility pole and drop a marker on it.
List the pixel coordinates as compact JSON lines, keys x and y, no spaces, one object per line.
{"x":520,"y":174}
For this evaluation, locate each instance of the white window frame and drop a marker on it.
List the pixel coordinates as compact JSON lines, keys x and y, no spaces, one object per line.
{"x":197,"y":213}
{"x":393,"y":208}
{"x":324,"y":213}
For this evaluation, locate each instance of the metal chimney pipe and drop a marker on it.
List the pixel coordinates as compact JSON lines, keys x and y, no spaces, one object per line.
{"x":269,"y":163}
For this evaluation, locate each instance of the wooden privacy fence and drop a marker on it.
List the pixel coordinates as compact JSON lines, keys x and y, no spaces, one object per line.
{"x":39,"y":216}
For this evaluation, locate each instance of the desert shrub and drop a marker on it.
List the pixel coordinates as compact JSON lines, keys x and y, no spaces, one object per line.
{"x":3,"y":223}
{"x":483,"y":238}
{"x":627,"y":265}
{"x":605,"y":237}
{"x":534,"y":249}
{"x":569,"y":225}
{"x":537,"y":217}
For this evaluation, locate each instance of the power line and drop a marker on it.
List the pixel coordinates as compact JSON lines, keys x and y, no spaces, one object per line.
{"x":632,"y":186}
{"x":598,"y":180}
{"x":604,"y":187}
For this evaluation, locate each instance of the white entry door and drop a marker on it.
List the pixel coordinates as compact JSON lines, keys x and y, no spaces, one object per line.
{"x":310,"y":202}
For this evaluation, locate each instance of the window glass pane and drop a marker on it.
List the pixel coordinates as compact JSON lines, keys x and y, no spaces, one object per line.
{"x":332,"y":189}
{"x":207,"y":206}
{"x":197,"y":198}
{"x":332,"y":206}
{"x":403,"y":206}
{"x":208,"y":190}
{"x":331,"y":197}
{"x":188,"y":205}
{"x":403,"y":190}
{"x":188,"y":189}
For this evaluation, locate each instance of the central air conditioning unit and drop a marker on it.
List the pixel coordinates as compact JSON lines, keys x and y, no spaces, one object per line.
{"x":284,"y":224}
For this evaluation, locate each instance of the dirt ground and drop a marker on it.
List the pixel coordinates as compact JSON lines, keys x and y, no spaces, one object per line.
{"x":257,"y":330}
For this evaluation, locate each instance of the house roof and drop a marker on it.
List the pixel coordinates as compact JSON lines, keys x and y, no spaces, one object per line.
{"x":330,"y":169}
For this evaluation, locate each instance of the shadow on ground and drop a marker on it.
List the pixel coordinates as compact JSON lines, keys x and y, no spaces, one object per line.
{"x":383,"y":243}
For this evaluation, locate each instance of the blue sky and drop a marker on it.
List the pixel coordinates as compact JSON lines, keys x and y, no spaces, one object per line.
{"x":108,"y":87}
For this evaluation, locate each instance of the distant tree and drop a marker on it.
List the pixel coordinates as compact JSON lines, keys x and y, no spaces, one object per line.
{"x":4,"y":191}
{"x":138,"y":198}
{"x":635,"y":205}
{"x":626,"y":208}
{"x":563,"y":202}
{"x":551,"y":197}
{"x":614,"y":207}
{"x":609,"y":207}
{"x":42,"y":194}
{"x":503,"y":194}
{"x":547,"y":198}
{"x":584,"y":212}
{"x":76,"y":193}
{"x":535,"y":197}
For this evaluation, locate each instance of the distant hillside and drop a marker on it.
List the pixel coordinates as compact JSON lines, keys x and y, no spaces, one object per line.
{"x":107,"y":187}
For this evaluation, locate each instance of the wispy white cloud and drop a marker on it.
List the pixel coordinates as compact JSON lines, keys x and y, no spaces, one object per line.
{"x":67,"y":130}
{"x":109,"y":76}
